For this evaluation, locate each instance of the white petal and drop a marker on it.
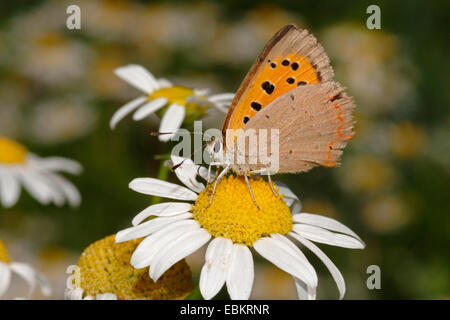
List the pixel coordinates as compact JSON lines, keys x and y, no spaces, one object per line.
{"x":146,"y":75}
{"x":27,"y":273}
{"x":164,"y":83}
{"x":171,"y":121}
{"x":176,"y":250}
{"x":318,"y":234}
{"x":138,"y":76}
{"x":5,"y":278}
{"x":187,"y":173}
{"x":241,"y":273}
{"x":221,"y":107}
{"x":200,"y":92}
{"x":67,"y":188}
{"x":106,"y":296}
{"x":285,"y":258}
{"x":292,"y":201}
{"x":147,"y":249}
{"x":50,"y":183}
{"x":222,"y":97}
{"x":75,"y":294}
{"x":148,"y":227}
{"x":156,"y":187}
{"x":165,"y":209}
{"x":203,"y":172}
{"x":55,"y":164}
{"x":337,"y":276}
{"x":9,"y":187}
{"x":123,"y":111}
{"x":296,"y":249}
{"x":44,"y":284}
{"x":35,"y":185}
{"x":304,"y":291}
{"x":324,"y":222}
{"x":214,"y":271}
{"x":149,"y":108}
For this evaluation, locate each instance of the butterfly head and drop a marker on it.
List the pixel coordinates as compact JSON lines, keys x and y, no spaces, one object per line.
{"x":215,"y":149}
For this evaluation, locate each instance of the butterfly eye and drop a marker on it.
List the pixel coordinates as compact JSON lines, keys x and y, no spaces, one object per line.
{"x":217,"y":147}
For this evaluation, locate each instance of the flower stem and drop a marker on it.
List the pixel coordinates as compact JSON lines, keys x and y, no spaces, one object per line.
{"x":195,"y":294}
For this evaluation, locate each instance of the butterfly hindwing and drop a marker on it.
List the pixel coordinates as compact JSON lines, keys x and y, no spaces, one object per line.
{"x":314,"y":123}
{"x":292,"y":58}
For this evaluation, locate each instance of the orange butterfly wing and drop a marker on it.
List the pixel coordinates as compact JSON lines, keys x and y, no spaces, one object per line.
{"x":292,"y":58}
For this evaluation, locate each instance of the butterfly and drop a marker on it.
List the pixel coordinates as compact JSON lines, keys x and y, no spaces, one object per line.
{"x":290,"y":88}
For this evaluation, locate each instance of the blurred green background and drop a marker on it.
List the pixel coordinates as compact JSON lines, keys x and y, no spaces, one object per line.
{"x":58,"y":93}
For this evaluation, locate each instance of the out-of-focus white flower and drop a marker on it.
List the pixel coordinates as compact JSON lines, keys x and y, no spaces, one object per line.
{"x":25,"y":271}
{"x":38,"y":175}
{"x":180,"y":101}
{"x":40,"y":49}
{"x":241,"y":41}
{"x":371,"y":64}
{"x":385,"y":213}
{"x":52,"y":58}
{"x":58,"y":121}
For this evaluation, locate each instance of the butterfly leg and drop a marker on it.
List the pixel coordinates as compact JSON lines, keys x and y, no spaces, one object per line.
{"x":209,"y":173}
{"x":251,"y":192}
{"x":217,"y":171}
{"x":224,"y":171}
{"x":268,"y":176}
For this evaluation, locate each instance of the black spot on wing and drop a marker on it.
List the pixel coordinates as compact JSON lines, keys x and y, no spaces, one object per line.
{"x":256,"y":105}
{"x":267,"y":87}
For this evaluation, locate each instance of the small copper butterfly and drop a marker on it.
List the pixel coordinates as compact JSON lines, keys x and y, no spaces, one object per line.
{"x":290,"y":87}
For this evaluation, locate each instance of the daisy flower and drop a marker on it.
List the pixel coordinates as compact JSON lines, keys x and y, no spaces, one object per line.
{"x":38,"y":176}
{"x":235,"y":225}
{"x":180,"y":102}
{"x":103,"y":272}
{"x":25,"y":271}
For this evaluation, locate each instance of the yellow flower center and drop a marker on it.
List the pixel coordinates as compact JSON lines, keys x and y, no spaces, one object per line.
{"x":180,"y":95}
{"x":175,"y":94}
{"x":3,"y":253}
{"x":11,"y":151}
{"x":233,"y":214}
{"x":104,"y":267}
{"x":51,"y":39}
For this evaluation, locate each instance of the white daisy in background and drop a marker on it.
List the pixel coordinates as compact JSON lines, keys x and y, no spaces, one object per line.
{"x":177,"y":229}
{"x":25,"y":271}
{"x":38,"y":175}
{"x":181,"y":102}
{"x":59,"y":120}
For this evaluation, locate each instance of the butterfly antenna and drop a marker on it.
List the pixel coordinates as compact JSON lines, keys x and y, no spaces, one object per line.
{"x":176,"y":166}
{"x":156,"y":133}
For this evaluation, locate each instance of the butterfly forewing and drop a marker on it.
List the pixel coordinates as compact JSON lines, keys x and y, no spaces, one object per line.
{"x":291,"y":59}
